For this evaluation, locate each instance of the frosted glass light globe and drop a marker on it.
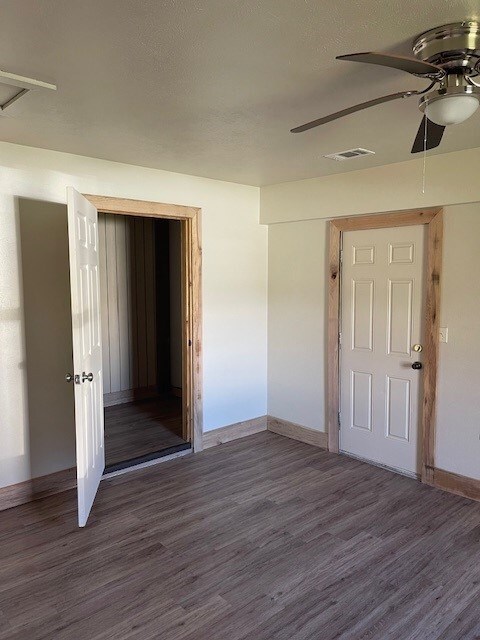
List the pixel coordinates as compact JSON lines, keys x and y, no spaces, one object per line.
{"x":452,"y":109}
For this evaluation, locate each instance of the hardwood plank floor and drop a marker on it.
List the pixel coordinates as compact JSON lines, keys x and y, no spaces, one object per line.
{"x":135,"y":429}
{"x":263,"y":538}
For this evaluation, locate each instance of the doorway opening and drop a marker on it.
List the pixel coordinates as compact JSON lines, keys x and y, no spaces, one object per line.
{"x":88,"y":328}
{"x":140,"y":268}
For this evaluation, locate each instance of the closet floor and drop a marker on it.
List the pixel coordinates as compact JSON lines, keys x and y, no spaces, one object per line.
{"x":142,"y":427}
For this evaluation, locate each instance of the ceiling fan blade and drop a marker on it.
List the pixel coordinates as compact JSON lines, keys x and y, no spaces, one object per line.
{"x":410,"y":65}
{"x":434,"y":136}
{"x":357,"y":107}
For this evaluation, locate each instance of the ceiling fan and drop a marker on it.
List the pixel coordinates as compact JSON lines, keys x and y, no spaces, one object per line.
{"x":447,"y":56}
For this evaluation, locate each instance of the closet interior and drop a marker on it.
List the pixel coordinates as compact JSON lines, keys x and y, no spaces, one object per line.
{"x":141,"y":299}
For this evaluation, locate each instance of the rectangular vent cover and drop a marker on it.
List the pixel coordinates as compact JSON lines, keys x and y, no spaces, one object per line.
{"x":349,"y":154}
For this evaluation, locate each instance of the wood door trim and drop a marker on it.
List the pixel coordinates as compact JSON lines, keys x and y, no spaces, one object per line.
{"x":431,"y":343}
{"x":190,"y":218}
{"x":433,"y":219}
{"x":333,"y":383}
{"x":128,"y":207}
{"x":385,"y":220}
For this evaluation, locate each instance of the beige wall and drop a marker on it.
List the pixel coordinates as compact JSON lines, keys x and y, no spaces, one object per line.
{"x":458,"y":424}
{"x":35,"y":438}
{"x":297,"y":312}
{"x":296,"y":322}
{"x":451,"y":178}
{"x":234,"y":298}
{"x":49,"y":441}
{"x":127,"y":286}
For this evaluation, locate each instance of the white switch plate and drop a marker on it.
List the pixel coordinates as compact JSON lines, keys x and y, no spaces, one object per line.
{"x":443,"y":334}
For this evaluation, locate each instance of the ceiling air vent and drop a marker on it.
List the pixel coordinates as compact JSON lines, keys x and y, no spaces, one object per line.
{"x":349,"y":154}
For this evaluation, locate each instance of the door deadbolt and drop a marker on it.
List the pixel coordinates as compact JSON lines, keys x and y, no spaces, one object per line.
{"x":417,"y":348}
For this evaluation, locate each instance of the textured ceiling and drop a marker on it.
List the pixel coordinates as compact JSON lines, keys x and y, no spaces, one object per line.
{"x":212,"y":87}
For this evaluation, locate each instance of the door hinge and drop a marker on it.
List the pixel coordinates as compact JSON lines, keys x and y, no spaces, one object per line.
{"x":339,"y":337}
{"x":339,"y":419}
{"x":341,"y":255}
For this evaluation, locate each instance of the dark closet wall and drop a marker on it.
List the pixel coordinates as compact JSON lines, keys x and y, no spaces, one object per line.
{"x":127,"y":285}
{"x":162,"y":308}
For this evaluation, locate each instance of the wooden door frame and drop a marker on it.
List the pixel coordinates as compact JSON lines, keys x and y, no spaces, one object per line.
{"x":190,"y":218}
{"x":433,"y":220}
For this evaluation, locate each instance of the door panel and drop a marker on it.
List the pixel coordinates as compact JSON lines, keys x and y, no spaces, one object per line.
{"x":398,"y":408}
{"x":399,"y":321}
{"x":361,"y":386}
{"x":381,"y":319}
{"x":87,"y":349}
{"x":362,"y":314}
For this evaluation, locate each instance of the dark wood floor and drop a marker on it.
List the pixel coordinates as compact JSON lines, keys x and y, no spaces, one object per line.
{"x":263,"y":538}
{"x":138,"y":428}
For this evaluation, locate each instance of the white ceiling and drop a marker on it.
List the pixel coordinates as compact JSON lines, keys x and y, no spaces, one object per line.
{"x":212,"y":87}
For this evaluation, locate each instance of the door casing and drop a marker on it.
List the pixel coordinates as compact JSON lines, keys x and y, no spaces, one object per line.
{"x":433,"y":219}
{"x":190,"y":218}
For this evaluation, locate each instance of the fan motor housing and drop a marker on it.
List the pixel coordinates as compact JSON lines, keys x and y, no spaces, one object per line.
{"x":454,"y":47}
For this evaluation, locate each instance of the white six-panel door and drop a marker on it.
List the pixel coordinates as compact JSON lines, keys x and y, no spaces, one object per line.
{"x":87,"y":348}
{"x":381,"y":322}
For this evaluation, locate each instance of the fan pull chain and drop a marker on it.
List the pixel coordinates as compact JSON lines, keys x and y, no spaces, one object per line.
{"x":425,"y":150}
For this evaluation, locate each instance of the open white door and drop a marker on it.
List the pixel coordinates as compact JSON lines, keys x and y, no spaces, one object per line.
{"x":87,"y":348}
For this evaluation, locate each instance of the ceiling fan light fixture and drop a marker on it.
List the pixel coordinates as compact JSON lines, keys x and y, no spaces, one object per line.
{"x":448,"y":57}
{"x":450,"y":109}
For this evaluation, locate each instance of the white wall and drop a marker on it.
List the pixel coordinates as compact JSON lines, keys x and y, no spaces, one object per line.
{"x":297,"y":303}
{"x":234,"y":285}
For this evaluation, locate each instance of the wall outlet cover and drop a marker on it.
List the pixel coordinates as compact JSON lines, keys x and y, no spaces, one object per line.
{"x":443,"y":334}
